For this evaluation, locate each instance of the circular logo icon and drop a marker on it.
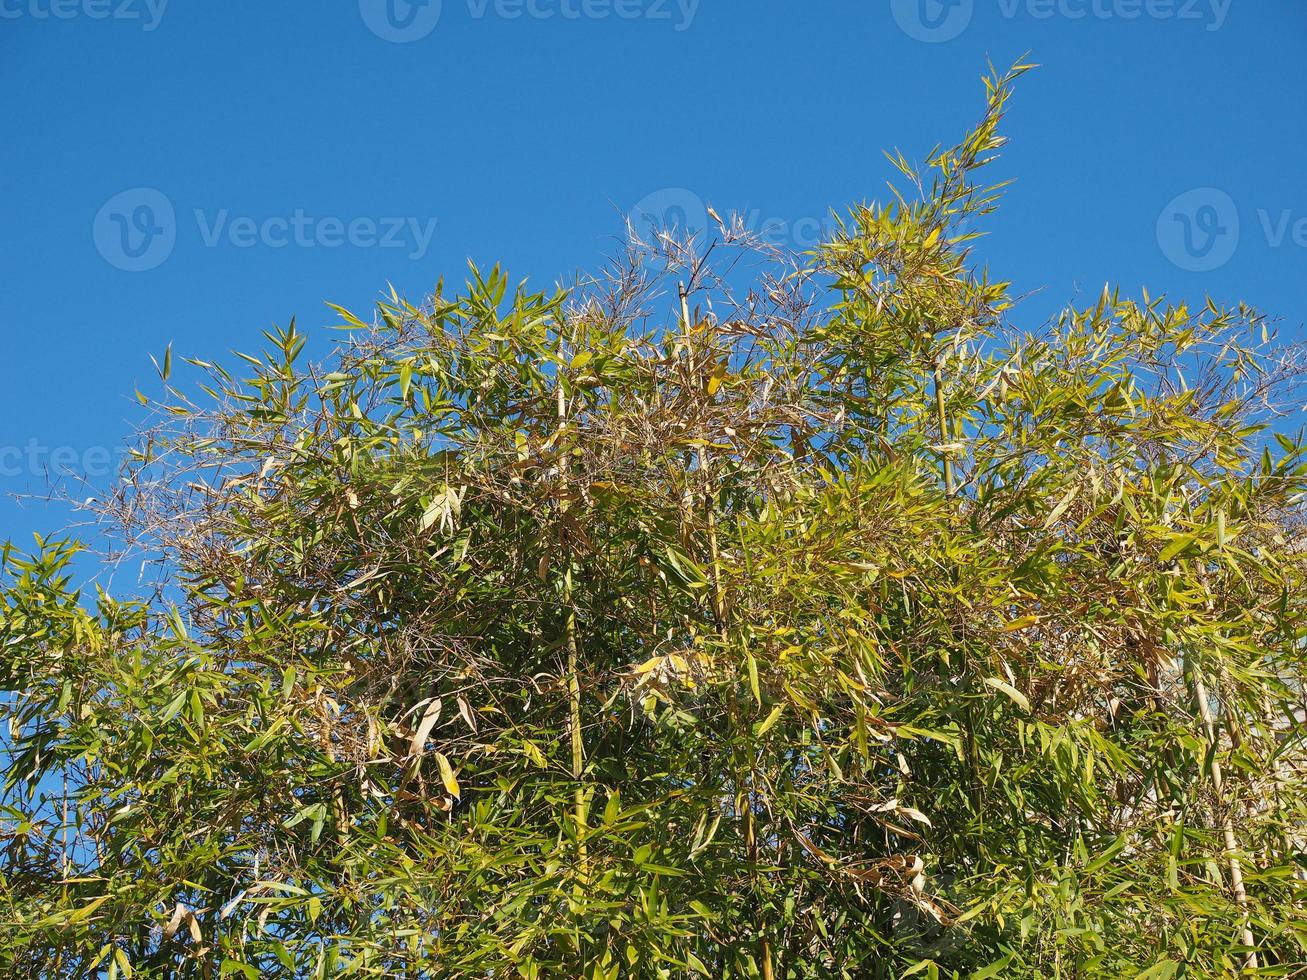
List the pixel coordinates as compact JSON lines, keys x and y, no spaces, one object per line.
{"x":400,"y":21}
{"x":672,"y":209}
{"x":136,"y":230}
{"x":1199,"y":230}
{"x":933,"y":21}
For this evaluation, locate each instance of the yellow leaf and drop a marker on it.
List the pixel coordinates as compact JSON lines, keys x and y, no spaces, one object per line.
{"x":1020,"y":624}
{"x":533,"y":753}
{"x":447,"y":776}
{"x":768,"y":723}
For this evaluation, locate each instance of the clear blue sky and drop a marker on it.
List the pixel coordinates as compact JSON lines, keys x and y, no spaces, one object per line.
{"x":331,"y":146}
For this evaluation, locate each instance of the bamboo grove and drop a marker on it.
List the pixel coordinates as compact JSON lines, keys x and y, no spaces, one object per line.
{"x":729,"y":614}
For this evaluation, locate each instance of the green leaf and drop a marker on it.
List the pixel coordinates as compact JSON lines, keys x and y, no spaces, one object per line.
{"x":1180,"y":544}
{"x":994,"y":969}
{"x":753,"y":677}
{"x":532,"y":752}
{"x":1164,"y":970}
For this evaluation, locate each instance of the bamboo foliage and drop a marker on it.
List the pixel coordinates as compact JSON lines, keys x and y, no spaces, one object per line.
{"x":834,"y":624}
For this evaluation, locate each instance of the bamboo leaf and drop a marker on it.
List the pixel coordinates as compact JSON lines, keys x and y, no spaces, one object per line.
{"x":1004,"y":687}
{"x":447,"y":776}
{"x":768,"y":723}
{"x":417,"y":745}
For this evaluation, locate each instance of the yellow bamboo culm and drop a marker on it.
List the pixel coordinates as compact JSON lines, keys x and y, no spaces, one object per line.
{"x":943,"y":428}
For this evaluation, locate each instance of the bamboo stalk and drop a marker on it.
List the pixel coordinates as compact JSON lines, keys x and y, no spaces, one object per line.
{"x":709,"y":502}
{"x":1206,"y":717}
{"x":329,"y":750}
{"x":573,"y":674}
{"x":950,"y":490}
{"x":949,"y":487}
{"x":1217,"y":778}
{"x":719,"y":617}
